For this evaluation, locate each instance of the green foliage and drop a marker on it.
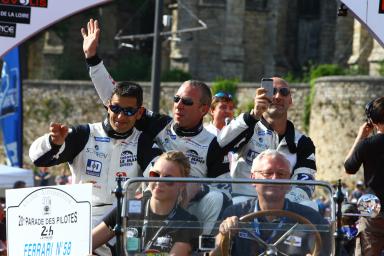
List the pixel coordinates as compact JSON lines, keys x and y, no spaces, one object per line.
{"x":175,"y":75}
{"x":135,"y":67}
{"x":326,"y":70}
{"x":316,"y":72}
{"x":225,"y":85}
{"x":381,"y":69}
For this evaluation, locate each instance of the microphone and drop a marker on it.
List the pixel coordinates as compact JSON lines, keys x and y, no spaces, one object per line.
{"x":227,"y":120}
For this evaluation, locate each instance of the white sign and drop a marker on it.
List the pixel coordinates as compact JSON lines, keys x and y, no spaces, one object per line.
{"x":21,"y":19}
{"x":371,"y":14}
{"x":49,"y":221}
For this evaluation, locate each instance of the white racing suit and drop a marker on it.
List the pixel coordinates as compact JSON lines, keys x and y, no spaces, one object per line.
{"x":201,"y":147}
{"x":94,"y":157}
{"x":259,"y":136}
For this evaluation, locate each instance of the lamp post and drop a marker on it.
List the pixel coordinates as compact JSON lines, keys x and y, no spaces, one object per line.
{"x":156,"y":57}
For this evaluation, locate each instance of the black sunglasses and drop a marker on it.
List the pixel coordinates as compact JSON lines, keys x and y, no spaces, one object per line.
{"x":283,"y":91}
{"x":223,"y":95}
{"x":185,"y":101}
{"x":129,"y":111}
{"x":154,"y":174}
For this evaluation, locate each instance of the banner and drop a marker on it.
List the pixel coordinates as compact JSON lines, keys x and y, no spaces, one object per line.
{"x":371,"y":14}
{"x":11,"y":109}
{"x":49,"y":221}
{"x":21,"y":19}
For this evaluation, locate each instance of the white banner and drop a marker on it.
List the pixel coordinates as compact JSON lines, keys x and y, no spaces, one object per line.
{"x":54,"y":221}
{"x":21,"y":19}
{"x":371,"y":14}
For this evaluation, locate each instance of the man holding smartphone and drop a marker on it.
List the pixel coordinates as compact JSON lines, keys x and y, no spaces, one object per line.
{"x":267,"y":127}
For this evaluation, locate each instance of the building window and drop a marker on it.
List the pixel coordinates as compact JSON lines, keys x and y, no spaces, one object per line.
{"x":309,"y":9}
{"x":213,"y":3}
{"x":256,"y":5}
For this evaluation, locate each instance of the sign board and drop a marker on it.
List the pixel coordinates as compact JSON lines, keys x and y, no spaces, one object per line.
{"x":21,"y":19}
{"x":371,"y":14}
{"x":49,"y":221}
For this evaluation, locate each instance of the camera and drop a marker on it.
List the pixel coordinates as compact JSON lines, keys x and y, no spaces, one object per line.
{"x":206,"y":242}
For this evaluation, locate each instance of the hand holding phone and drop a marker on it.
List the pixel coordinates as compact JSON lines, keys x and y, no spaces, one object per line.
{"x":267,"y":84}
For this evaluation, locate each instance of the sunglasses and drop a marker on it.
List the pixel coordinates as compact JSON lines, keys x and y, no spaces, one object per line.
{"x":185,"y":101}
{"x":283,"y":91}
{"x":154,"y":174}
{"x":129,"y":111}
{"x":223,"y":95}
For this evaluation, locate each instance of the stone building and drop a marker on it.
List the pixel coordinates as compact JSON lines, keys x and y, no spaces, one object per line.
{"x":249,"y":39}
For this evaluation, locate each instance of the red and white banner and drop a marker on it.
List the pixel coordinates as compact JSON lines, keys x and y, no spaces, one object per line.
{"x":21,"y":19}
{"x":371,"y":14}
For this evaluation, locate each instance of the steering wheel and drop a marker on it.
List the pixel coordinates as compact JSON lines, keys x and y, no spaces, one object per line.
{"x":225,"y":240}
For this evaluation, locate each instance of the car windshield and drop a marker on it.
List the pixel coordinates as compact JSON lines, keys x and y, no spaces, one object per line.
{"x":161,"y":215}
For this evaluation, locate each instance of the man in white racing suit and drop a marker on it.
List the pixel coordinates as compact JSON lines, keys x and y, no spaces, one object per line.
{"x":183,"y":131}
{"x":268,"y":127}
{"x":98,"y":153}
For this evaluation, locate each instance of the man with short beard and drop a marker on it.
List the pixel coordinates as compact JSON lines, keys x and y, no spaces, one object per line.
{"x":267,"y":127}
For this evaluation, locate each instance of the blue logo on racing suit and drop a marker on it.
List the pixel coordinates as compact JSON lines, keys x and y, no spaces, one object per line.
{"x":250,"y":156}
{"x":127,"y":158}
{"x":102,"y":139}
{"x":93,"y":168}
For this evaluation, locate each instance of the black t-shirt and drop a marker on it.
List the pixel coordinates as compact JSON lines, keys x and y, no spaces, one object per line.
{"x":370,"y":153}
{"x":178,"y":226}
{"x":3,"y":235}
{"x":297,"y":243}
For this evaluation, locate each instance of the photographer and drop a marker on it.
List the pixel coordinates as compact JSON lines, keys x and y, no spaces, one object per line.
{"x":369,"y":152}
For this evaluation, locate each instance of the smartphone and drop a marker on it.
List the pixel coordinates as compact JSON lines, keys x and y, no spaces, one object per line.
{"x":267,"y":83}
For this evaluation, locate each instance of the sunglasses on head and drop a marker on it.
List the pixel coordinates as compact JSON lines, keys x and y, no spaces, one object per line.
{"x":224,"y":95}
{"x":154,"y":174}
{"x":283,"y":91}
{"x":129,"y":111}
{"x":185,"y":101}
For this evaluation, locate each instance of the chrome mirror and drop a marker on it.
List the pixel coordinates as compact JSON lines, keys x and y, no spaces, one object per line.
{"x":369,"y":205}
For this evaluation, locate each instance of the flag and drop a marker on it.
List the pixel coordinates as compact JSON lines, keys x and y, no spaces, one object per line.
{"x":11,"y":111}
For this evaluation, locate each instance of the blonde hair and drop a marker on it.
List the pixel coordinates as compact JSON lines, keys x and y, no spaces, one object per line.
{"x":182,"y":162}
{"x":178,"y":158}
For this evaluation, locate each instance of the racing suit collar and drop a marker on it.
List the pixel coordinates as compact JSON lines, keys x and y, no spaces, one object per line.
{"x":289,"y":134}
{"x":112,"y":133}
{"x":182,"y":132}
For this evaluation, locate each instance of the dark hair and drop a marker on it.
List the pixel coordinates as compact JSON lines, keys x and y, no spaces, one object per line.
{"x":129,"y":89}
{"x":375,"y":111}
{"x":206,"y":95}
{"x":19,"y":184}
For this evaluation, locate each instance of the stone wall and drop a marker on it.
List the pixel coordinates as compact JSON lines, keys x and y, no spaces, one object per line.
{"x":337,"y":113}
{"x":76,"y":102}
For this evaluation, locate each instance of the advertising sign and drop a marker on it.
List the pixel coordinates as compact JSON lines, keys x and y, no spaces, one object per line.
{"x":49,"y":221}
{"x":20,"y":19}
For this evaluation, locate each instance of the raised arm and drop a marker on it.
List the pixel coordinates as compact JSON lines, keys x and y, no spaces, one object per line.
{"x":101,"y":79}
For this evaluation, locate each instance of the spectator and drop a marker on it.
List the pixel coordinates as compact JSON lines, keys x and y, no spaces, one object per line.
{"x":43,"y":176}
{"x":19,"y":184}
{"x":369,"y":151}
{"x":62,"y":179}
{"x":357,"y":192}
{"x":221,"y":111}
